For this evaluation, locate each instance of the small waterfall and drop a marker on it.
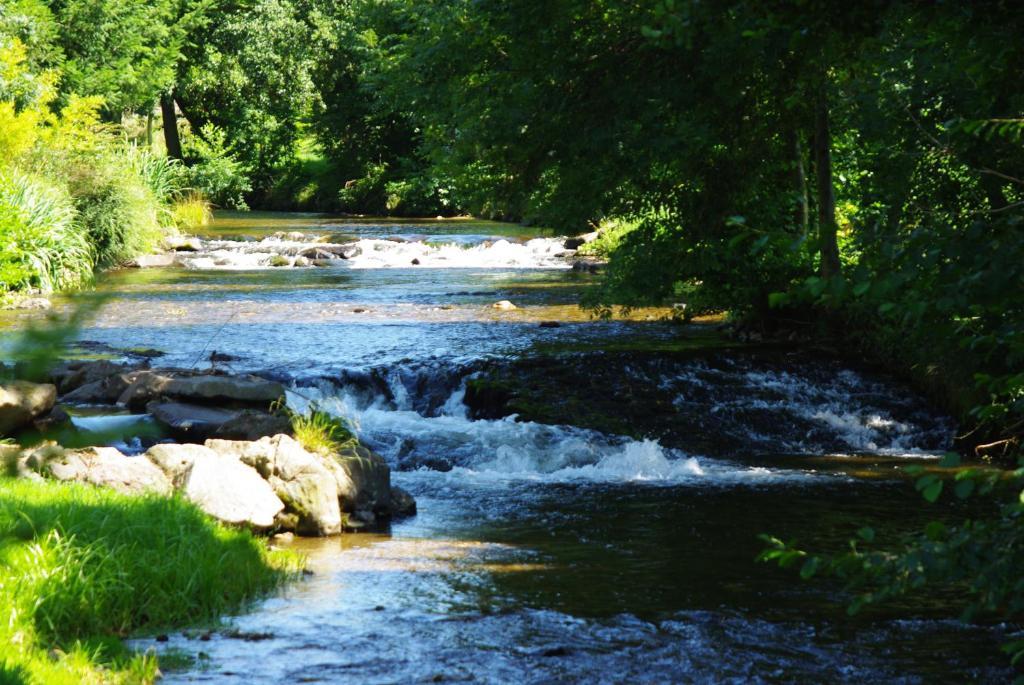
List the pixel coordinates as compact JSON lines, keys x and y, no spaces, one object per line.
{"x":416,"y":416}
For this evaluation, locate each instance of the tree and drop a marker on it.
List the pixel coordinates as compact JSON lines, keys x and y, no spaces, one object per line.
{"x":248,"y":73}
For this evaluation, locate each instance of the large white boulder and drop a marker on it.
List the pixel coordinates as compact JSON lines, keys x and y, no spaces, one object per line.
{"x":301,"y":479}
{"x":219,"y":484}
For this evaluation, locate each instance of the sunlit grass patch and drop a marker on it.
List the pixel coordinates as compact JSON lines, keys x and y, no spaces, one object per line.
{"x":82,"y":567}
{"x":191,"y":210}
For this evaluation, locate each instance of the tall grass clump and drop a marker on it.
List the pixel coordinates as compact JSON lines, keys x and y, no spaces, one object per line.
{"x":191,"y":210}
{"x":319,"y":431}
{"x":41,"y":246}
{"x":119,"y":211}
{"x":81,"y":567}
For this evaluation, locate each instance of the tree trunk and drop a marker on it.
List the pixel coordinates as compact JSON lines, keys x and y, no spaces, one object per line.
{"x":803,"y":210}
{"x":149,"y":128}
{"x":828,"y":245}
{"x":170,"y":117}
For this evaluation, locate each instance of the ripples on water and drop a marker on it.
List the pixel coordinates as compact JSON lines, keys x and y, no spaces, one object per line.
{"x":542,"y":553}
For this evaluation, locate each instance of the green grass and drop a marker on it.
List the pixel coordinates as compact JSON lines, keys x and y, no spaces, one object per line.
{"x":191,"y":210}
{"x":41,"y":246}
{"x":82,"y":567}
{"x":317,"y":431}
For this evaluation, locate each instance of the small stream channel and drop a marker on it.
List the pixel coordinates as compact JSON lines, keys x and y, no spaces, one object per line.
{"x":544,"y":553}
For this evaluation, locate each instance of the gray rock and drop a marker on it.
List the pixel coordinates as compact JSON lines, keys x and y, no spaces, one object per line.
{"x":38,"y":303}
{"x":402,"y":503}
{"x":104,"y":466}
{"x":21,"y":401}
{"x":55,"y":418}
{"x":251,"y":424}
{"x":190,"y":422}
{"x":76,"y":375}
{"x":301,"y":479}
{"x":174,"y":460}
{"x":588,"y":265}
{"x":363,"y":480}
{"x":103,"y":391}
{"x":229,"y":491}
{"x":318,"y":253}
{"x":181,"y":243}
{"x":349,"y":251}
{"x":199,"y":388}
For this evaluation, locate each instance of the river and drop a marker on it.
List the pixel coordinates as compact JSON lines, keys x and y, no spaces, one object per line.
{"x":543,"y":553}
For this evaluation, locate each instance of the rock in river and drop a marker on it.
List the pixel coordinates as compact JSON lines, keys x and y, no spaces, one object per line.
{"x":196,"y":423}
{"x":21,"y":401}
{"x":220,"y":484}
{"x":202,"y":388}
{"x":402,"y":503}
{"x":299,"y":478}
{"x":150,"y":261}
{"x":363,"y":479}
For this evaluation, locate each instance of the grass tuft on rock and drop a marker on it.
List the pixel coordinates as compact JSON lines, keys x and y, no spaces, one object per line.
{"x":82,"y":567}
{"x":191,"y":211}
{"x":320,"y":432}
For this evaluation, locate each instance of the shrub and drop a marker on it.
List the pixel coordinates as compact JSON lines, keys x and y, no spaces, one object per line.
{"x":610,"y":233}
{"x":191,"y":210}
{"x":974,"y":564}
{"x":366,"y":193}
{"x":119,"y":211}
{"x":41,"y":245}
{"x":214,"y":169}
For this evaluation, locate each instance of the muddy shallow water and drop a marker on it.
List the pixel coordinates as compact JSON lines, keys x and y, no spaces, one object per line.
{"x":542,"y":553}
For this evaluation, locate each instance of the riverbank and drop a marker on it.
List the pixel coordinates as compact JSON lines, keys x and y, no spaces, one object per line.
{"x":83,"y":567}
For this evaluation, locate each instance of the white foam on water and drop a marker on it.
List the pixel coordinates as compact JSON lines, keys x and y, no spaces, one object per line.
{"x":372,"y":253}
{"x":539,"y":253}
{"x":506,"y":449}
{"x":107,"y":422}
{"x":854,"y":410}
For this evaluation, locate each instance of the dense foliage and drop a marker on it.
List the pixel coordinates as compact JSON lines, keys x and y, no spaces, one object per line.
{"x":74,"y":194}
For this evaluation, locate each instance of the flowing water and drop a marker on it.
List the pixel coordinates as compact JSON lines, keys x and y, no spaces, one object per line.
{"x":543,"y":553}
